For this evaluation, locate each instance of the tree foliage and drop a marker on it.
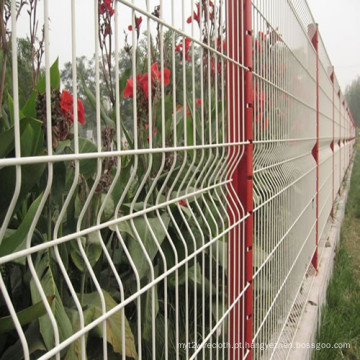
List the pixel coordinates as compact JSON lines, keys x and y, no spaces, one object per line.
{"x":352,"y":95}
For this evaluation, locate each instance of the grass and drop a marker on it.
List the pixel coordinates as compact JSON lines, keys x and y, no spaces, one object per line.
{"x":340,"y":321}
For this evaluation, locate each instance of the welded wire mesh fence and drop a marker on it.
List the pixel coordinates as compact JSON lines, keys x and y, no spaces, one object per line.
{"x":164,"y":188}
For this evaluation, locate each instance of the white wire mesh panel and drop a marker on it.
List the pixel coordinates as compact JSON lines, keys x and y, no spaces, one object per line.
{"x":126,"y":176}
{"x":325,"y":137}
{"x":116,"y":174}
{"x":284,"y":168}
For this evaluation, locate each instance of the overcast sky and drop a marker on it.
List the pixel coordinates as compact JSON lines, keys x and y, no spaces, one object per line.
{"x":339,"y":24}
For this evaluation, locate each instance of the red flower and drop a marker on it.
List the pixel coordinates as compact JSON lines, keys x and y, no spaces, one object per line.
{"x":213,"y":66}
{"x":196,"y":15}
{"x":143,"y":81}
{"x":179,"y":48}
{"x":106,"y":6}
{"x":129,"y":88}
{"x":66,"y":104}
{"x":156,"y":74}
{"x":147,"y":128}
{"x":182,"y":202}
{"x":138,"y":21}
{"x":198,"y":102}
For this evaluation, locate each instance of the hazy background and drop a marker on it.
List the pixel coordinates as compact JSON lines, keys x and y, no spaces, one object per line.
{"x":339,"y":24}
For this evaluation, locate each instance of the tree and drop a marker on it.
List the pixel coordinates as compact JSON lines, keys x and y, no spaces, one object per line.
{"x":352,"y":95}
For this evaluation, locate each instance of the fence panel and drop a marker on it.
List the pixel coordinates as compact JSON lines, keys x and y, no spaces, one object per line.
{"x":123,"y":207}
{"x":163,"y":194}
{"x":284,"y":167}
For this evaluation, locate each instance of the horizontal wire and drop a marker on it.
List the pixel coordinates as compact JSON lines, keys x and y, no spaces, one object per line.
{"x":283,"y":284}
{"x":106,"y":224}
{"x":117,"y":153}
{"x":284,"y":189}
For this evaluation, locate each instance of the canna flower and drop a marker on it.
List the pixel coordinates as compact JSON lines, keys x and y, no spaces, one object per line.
{"x":138,"y":21}
{"x":142,"y":81}
{"x":66,"y":104}
{"x":106,"y":6}
{"x":179,"y":48}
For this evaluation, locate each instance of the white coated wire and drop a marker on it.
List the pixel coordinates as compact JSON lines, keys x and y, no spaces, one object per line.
{"x":148,"y":237}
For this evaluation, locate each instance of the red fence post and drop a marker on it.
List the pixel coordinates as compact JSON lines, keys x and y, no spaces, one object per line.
{"x":248,"y":165}
{"x":315,"y":151}
{"x":240,"y":113}
{"x":339,"y":143}
{"x":332,"y":78}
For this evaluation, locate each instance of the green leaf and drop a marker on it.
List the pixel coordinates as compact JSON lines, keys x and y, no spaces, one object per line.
{"x":48,"y":284}
{"x":6,"y":142}
{"x":25,"y":316}
{"x":34,"y":340}
{"x":114,"y":328}
{"x":88,"y":166}
{"x":74,"y":352}
{"x":31,"y":142}
{"x":29,"y":109}
{"x":17,"y":240}
{"x":143,"y":230}
{"x":32,"y":138}
{"x":92,"y":249}
{"x":147,"y":314}
{"x":54,"y":78}
{"x":58,"y":186}
{"x":4,"y":120}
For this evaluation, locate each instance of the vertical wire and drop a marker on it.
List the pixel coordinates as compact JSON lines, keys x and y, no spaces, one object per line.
{"x":15,"y":196}
{"x":72,"y":188}
{"x":49,"y":182}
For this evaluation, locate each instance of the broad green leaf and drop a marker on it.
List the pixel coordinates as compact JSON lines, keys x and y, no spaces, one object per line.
{"x":194,"y":277}
{"x":58,"y":185}
{"x":147,"y":311}
{"x":108,"y":208}
{"x":32,"y":138}
{"x":31,"y":141}
{"x":143,"y":230}
{"x":29,"y":109}
{"x":17,"y":240}
{"x":74,"y":352}
{"x":25,"y":316}
{"x":92,"y":249}
{"x":48,"y":284}
{"x":88,"y":166}
{"x":34,"y":340}
{"x":6,"y":142}
{"x":4,"y":120}
{"x":54,"y":78}
{"x":123,"y":226}
{"x":114,"y":326}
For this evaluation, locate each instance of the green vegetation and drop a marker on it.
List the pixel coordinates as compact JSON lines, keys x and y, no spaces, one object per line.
{"x":340,"y":322}
{"x":352,"y":95}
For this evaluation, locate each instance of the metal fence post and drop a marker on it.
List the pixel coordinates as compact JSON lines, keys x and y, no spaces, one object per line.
{"x":332,"y":78}
{"x":240,"y":107}
{"x":315,"y":151}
